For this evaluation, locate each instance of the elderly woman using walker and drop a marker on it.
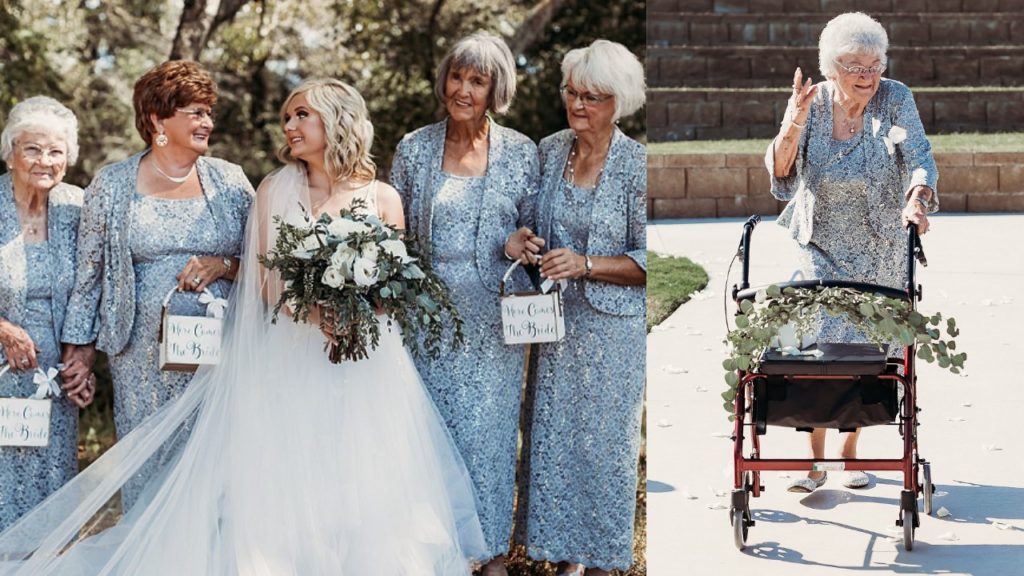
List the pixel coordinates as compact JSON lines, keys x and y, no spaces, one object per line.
{"x":589,"y":387}
{"x":167,"y":218}
{"x":38,"y":234}
{"x":852,"y":159}
{"x":467,"y":183}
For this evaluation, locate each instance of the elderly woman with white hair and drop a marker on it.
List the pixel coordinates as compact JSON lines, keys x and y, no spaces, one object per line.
{"x":853,"y":161}
{"x":589,"y":387}
{"x":38,"y":231}
{"x":467,"y":183}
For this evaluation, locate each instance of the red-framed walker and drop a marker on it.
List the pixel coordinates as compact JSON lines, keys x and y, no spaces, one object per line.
{"x":749,"y":427}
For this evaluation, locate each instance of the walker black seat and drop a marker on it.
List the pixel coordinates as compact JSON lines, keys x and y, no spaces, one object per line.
{"x":836,"y":360}
{"x":783,"y":398}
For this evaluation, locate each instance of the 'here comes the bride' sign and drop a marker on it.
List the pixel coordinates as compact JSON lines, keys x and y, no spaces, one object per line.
{"x":24,"y":422}
{"x":532,"y":318}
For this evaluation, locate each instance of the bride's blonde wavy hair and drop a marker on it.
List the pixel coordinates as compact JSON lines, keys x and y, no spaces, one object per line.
{"x":346,"y":125}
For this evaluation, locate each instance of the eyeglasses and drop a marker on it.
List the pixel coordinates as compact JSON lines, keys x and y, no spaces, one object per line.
{"x":589,"y":99}
{"x":36,"y":152}
{"x":198,"y":113}
{"x":861,"y":70}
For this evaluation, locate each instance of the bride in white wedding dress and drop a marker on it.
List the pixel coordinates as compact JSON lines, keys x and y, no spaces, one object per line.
{"x":294,"y":466}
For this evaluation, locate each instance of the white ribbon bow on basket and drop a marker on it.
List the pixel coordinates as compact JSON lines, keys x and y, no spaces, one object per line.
{"x":46,"y":382}
{"x":215,"y":307}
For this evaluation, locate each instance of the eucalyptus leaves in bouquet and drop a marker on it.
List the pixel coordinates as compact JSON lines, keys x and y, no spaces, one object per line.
{"x":354,"y":266}
{"x":880,"y":318}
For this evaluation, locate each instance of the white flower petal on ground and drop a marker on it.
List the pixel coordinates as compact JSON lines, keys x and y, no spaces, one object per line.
{"x":673,"y":369}
{"x":364,"y":272}
{"x":991,"y":448}
{"x":966,"y":404}
{"x":956,"y":419}
{"x":783,"y":475}
{"x":717,"y":506}
{"x":949,"y":537}
{"x":721,"y":435}
{"x":718,"y":492}
{"x":687,"y":496}
{"x":700,"y":388}
{"x":943,"y":512}
{"x":988,"y":302}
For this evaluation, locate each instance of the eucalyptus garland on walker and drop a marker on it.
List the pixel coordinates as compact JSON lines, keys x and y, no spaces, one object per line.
{"x":355,"y":266}
{"x":881,"y":319}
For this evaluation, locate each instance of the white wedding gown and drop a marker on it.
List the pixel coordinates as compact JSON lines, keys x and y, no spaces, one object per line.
{"x":294,"y":466}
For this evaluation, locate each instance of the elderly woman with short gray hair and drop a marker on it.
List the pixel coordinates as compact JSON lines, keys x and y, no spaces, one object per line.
{"x":39,"y":217}
{"x":467,"y":183}
{"x":853,"y":161}
{"x":589,"y":387}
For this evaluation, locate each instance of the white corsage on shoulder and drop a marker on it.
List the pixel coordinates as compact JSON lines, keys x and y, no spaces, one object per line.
{"x":896,"y":135}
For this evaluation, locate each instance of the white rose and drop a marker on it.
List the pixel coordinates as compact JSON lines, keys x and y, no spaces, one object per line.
{"x":333,"y":277}
{"x":342,"y":228}
{"x":343,"y":258}
{"x":396,"y":248}
{"x":310,"y":244}
{"x":371,"y":251}
{"x":364,"y":272}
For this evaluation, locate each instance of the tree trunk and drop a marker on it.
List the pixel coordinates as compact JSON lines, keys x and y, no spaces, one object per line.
{"x":198,"y":23}
{"x":534,"y":25}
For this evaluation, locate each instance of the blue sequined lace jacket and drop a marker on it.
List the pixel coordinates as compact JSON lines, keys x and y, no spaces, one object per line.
{"x":102,"y":306}
{"x":618,"y":219}
{"x":890,"y":175}
{"x":63,"y":210}
{"x":509,"y":190}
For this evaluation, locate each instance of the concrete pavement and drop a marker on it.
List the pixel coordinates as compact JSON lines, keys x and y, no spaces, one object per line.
{"x":970,"y":424}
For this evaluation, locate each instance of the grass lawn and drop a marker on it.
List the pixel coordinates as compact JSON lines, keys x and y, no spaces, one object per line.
{"x":1007,"y":142}
{"x":670,"y":282}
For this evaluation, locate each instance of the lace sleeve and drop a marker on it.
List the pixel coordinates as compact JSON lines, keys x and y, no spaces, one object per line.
{"x":80,"y":325}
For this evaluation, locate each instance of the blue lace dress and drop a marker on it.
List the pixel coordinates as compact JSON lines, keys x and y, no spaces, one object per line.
{"x":477,"y":388}
{"x":163,"y":235}
{"x":845,"y":245}
{"x":585,"y":439}
{"x":28,"y":475}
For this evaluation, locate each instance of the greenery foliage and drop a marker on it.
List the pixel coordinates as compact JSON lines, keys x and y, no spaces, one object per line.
{"x":671,"y":281}
{"x":882,"y":320}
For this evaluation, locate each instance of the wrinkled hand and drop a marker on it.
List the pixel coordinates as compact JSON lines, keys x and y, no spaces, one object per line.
{"x":18,"y":346}
{"x":800,"y":101}
{"x":79,"y":382}
{"x":199,"y":272}
{"x":562,"y":263}
{"x":524,"y":245}
{"x":916,"y":212}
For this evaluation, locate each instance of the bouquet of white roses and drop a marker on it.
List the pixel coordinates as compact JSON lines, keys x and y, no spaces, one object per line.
{"x":353,"y":267}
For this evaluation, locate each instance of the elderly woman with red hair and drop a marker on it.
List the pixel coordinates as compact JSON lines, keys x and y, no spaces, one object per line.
{"x":166,"y":219}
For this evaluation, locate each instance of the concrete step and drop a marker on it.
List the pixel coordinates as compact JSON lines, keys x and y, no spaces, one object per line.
{"x":803,"y":29}
{"x":834,"y":6}
{"x":722,"y":114}
{"x":717,"y":185}
{"x":761,"y":66}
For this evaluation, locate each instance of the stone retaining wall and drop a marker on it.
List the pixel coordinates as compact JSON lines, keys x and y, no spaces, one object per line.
{"x":760,"y":66}
{"x":717,"y":185}
{"x":674,"y":29}
{"x":835,"y":6}
{"x":719,"y":114}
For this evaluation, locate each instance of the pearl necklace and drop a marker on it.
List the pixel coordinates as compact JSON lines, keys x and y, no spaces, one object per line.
{"x":571,"y":164}
{"x":175,"y":179}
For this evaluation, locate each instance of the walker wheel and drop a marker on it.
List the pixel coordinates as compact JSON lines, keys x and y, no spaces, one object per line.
{"x":908,"y":530}
{"x":928,"y":488}
{"x":739,"y":528}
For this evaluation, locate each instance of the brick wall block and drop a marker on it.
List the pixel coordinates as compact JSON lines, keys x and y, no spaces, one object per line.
{"x":995,"y":202}
{"x":695,"y":160}
{"x":716,"y":182}
{"x":1011,"y":178}
{"x":944,"y":159}
{"x":758,"y":182}
{"x":745,"y":161}
{"x":997,"y":158}
{"x":694,"y":113}
{"x":951,"y":202}
{"x":963,"y":109}
{"x":684,"y":208}
{"x":666,"y":183}
{"x":969,"y":180}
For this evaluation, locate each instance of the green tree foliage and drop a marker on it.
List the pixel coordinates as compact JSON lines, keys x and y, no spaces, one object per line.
{"x":89,"y":53}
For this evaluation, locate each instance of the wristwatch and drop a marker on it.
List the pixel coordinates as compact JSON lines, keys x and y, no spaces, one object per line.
{"x":588,"y":266}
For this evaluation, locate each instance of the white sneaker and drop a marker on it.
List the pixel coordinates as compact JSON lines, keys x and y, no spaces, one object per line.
{"x":855,"y":479}
{"x":807,"y":485}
